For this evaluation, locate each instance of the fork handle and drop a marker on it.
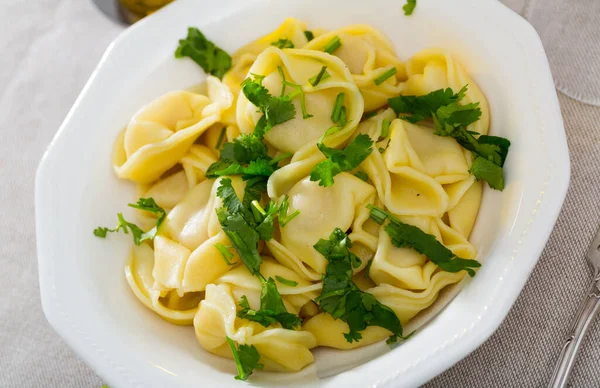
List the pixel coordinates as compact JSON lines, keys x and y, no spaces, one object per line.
{"x":587,"y":312}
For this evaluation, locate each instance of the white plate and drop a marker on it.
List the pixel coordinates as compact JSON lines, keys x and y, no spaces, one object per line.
{"x":84,"y":293}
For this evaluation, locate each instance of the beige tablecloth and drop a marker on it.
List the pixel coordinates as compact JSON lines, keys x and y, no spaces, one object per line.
{"x":48,"y":48}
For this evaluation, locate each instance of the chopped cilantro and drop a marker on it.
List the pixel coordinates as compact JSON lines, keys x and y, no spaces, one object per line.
{"x":409,"y":7}
{"x":283,"y":43}
{"x":452,"y":119}
{"x":341,"y":160}
{"x":387,"y":145}
{"x":409,"y":236}
{"x":338,"y":114}
{"x":298,"y":91}
{"x":276,"y":110}
{"x":384,"y":76}
{"x":285,"y":281}
{"x":205,"y":53}
{"x":334,"y":44}
{"x":282,"y":215}
{"x":138,"y":234}
{"x":246,"y":359}
{"x":225,"y":253}
{"x":488,"y":171}
{"x":361,"y":175}
{"x":320,"y":76}
{"x":385,"y":129}
{"x":368,"y":115}
{"x":309,"y":35}
{"x":245,"y":223}
{"x":368,"y":269}
{"x":272,"y":309}
{"x":342,"y":299}
{"x":221,"y":138}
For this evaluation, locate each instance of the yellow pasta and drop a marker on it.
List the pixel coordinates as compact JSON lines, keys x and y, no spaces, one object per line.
{"x":191,"y":154}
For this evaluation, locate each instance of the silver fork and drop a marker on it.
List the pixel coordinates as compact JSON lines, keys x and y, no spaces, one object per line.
{"x":587,"y":312}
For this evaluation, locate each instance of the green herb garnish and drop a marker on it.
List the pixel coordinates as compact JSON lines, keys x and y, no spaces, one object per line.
{"x":385,"y":129}
{"x":138,"y":234}
{"x":283,"y":43}
{"x":338,"y":114}
{"x":339,"y":161}
{"x":361,"y":175}
{"x":272,"y":309}
{"x":285,"y":281}
{"x":205,"y":53}
{"x":225,"y":253}
{"x":298,"y":91}
{"x":342,"y":299}
{"x":283,"y":215}
{"x":452,"y":119}
{"x":409,"y":7}
{"x":334,"y":44}
{"x":384,"y":76}
{"x":246,"y":359}
{"x":320,"y":76}
{"x":221,"y":138}
{"x":409,"y":236}
{"x":309,"y":35}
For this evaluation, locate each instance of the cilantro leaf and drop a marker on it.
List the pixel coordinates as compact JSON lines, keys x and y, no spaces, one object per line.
{"x":489,"y":172}
{"x":283,"y":43}
{"x":205,"y":53}
{"x":243,"y":237}
{"x":246,"y":359}
{"x":309,"y":35}
{"x":276,"y":110}
{"x":409,"y":7}
{"x":342,"y":299}
{"x":139,"y":236}
{"x":452,"y":119}
{"x":422,"y":107}
{"x":409,"y":236}
{"x":341,"y":160}
{"x":272,"y":310}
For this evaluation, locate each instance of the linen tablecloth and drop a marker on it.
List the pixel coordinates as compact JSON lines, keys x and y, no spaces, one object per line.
{"x":48,"y":49}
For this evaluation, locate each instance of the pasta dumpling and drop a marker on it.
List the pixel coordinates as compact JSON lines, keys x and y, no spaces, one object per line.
{"x":280,"y":349}
{"x":164,"y":130}
{"x":368,"y":55}
{"x":300,"y":134}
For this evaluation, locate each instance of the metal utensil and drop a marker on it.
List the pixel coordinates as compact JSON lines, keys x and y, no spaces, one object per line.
{"x":587,"y":312}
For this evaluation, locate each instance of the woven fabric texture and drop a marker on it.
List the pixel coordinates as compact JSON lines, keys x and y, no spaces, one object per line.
{"x":49,"y":49}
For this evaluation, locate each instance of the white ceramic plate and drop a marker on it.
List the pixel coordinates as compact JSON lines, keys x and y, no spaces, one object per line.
{"x":84,"y":293}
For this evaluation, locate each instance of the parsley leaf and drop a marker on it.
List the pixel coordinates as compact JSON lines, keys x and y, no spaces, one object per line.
{"x":283,"y":43}
{"x":422,"y":107}
{"x":342,"y":299}
{"x":341,"y":160}
{"x":246,"y":359}
{"x":452,"y":119}
{"x":309,"y":35}
{"x":138,"y":234}
{"x":409,"y":236}
{"x":205,"y":53}
{"x":272,"y":310}
{"x":409,"y":7}
{"x":276,"y":110}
